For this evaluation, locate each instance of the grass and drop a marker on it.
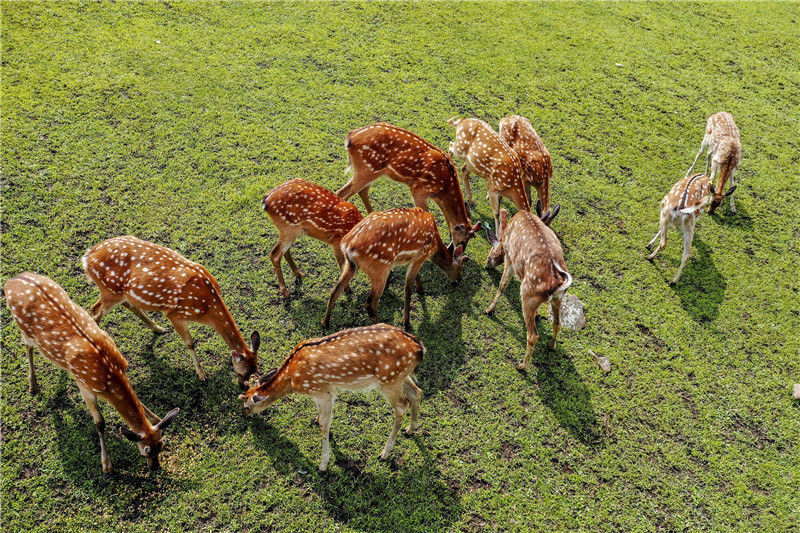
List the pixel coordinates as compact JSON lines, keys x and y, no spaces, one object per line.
{"x":171,"y":120}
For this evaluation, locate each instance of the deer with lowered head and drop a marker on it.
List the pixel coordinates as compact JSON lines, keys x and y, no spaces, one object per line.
{"x":378,"y":356}
{"x":532,"y":252}
{"x":724,"y":153}
{"x":385,"y":239}
{"x":486,"y":154}
{"x":299,"y":207}
{"x":680,"y":208}
{"x":537,"y":167}
{"x":66,"y":335}
{"x":143,"y":276}
{"x":382,"y":149}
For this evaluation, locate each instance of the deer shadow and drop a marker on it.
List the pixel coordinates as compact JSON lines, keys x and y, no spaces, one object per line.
{"x":741,"y":219}
{"x":702,"y":291}
{"x":409,"y":499}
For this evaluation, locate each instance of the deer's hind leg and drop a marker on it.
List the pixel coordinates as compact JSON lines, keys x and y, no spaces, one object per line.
{"x":286,"y":238}
{"x":530,"y":306}
{"x":393,"y":392}
{"x":104,"y":303}
{"x":348,"y":271}
{"x":413,"y":394}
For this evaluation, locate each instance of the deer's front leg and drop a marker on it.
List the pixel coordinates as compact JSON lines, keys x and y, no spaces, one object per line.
{"x":325,"y":404}
{"x":508,"y":270}
{"x":467,"y":188}
{"x":33,"y":384}
{"x":100,"y":424}
{"x":412,"y":279}
{"x":183,"y":331}
{"x":143,"y":317}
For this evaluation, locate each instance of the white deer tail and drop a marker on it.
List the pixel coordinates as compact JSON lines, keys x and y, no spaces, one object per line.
{"x":559,"y":292}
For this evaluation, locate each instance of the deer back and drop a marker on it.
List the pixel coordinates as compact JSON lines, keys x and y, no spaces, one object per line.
{"x":725,"y":140}
{"x":534,"y":252}
{"x":487,"y":154}
{"x":65,"y":333}
{"x":315,"y":209}
{"x":519,"y":134}
{"x":689,"y":195}
{"x":396,"y":236}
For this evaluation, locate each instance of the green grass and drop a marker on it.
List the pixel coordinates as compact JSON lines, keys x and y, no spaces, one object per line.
{"x":170,"y":121}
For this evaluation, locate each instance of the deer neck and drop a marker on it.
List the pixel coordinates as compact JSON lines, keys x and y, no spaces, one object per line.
{"x":130,"y":409}
{"x":442,"y":256}
{"x":227,"y":329}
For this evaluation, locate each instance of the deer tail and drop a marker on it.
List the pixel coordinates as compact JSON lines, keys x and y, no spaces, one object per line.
{"x":559,"y":292}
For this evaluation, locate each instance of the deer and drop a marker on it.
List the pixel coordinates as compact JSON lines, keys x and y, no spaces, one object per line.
{"x":537,"y":167}
{"x":724,"y":153}
{"x":532,"y":252}
{"x":486,"y":154}
{"x":680,"y":208}
{"x":299,"y":207}
{"x":378,"y":356}
{"x":64,"y":333}
{"x":143,"y":276}
{"x":382,"y":149}
{"x":385,"y":239}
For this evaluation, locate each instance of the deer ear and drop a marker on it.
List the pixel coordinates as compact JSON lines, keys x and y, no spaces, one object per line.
{"x":468,"y":210}
{"x":539,"y":208}
{"x":258,"y":398}
{"x":268,"y":376}
{"x":255,"y":341}
{"x":237,"y":356}
{"x":711,"y":188}
{"x":491,"y":236}
{"x":552,"y":214}
{"x":730,"y":191}
{"x":477,"y":227}
{"x":130,"y":435}
{"x":168,"y":419}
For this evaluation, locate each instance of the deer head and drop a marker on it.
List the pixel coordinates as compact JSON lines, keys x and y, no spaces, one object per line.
{"x":149,"y":441}
{"x":244,"y":362}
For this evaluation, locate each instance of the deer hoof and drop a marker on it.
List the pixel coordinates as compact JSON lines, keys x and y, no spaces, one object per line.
{"x":488,"y":311}
{"x":159,"y":330}
{"x":522,"y":367}
{"x":284,"y":292}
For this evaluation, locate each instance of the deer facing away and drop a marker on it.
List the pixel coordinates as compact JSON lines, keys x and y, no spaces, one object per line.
{"x":66,"y":335}
{"x":724,"y":153}
{"x":378,"y":356}
{"x":143,"y":276}
{"x":532,"y":252}
{"x":299,"y":207}
{"x":537,"y":167}
{"x":382,"y":149}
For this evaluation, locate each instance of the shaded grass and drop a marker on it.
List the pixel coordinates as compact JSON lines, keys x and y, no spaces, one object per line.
{"x":171,"y":120}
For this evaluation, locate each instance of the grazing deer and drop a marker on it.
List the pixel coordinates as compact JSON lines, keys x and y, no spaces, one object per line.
{"x":64,"y":333}
{"x":537,"y":167}
{"x":680,"y":208}
{"x":378,"y":356}
{"x":297,"y":207}
{"x":385,"y":239}
{"x":531,"y":250}
{"x":143,"y":276}
{"x":382,"y":149}
{"x":724,"y":153}
{"x":486,"y":154}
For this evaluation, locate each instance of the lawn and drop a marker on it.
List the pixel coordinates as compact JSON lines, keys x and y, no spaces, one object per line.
{"x":170,"y":121}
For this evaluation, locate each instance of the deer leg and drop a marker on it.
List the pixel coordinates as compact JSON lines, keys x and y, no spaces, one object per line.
{"x":412,"y":279}
{"x":378,"y":280}
{"x":337,"y":253}
{"x":100,"y":424}
{"x":494,"y":201}
{"x":543,"y":191}
{"x":33,"y":384}
{"x":527,"y":188}
{"x":507,"y":271}
{"x":394,"y":395}
{"x":420,"y":288}
{"x":661,"y":232}
{"x":106,"y":301}
{"x":654,"y":239}
{"x":688,"y":235}
{"x":555,"y":310}
{"x":733,"y":183}
{"x":465,"y":181}
{"x":530,"y":306}
{"x":325,"y":406}
{"x":183,"y":331}
{"x":347,"y":274}
{"x":364,"y":195}
{"x":413,"y":395}
{"x":143,"y":317}
{"x":290,"y":260}
{"x":702,"y":147}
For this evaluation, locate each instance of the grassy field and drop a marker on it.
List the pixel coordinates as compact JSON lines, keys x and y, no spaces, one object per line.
{"x":170,"y":121}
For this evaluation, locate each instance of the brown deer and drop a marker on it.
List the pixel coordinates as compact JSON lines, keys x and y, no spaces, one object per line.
{"x":378,"y":356}
{"x":382,"y":149}
{"x":299,"y":207}
{"x":724,"y":153}
{"x":65,"y":334}
{"x":486,"y":154}
{"x":533,"y":253}
{"x":680,"y":208}
{"x":537,"y":167}
{"x":143,"y":276}
{"x":385,"y":239}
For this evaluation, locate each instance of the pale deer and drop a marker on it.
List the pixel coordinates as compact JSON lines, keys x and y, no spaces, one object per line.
{"x":486,"y":154}
{"x":66,"y":335}
{"x":385,"y":239}
{"x":378,"y":356}
{"x":533,"y":253}
{"x":680,"y":208}
{"x":382,"y":149}
{"x":299,"y":207}
{"x":143,"y":276}
{"x":537,"y":167}
{"x":724,"y":153}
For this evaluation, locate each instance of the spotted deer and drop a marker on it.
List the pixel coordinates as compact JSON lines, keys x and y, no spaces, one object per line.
{"x":537,"y":167}
{"x":299,"y":207}
{"x":66,"y":335}
{"x":143,"y":276}
{"x":724,"y":153}
{"x":486,"y":154}
{"x":533,"y":253}
{"x":681,"y":208}
{"x":378,"y":356}
{"x":382,"y":149}
{"x":385,"y":239}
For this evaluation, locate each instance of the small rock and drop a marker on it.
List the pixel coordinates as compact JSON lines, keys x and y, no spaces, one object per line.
{"x":572,"y":317}
{"x":604,"y":362}
{"x":796,"y":391}
{"x":619,"y":64}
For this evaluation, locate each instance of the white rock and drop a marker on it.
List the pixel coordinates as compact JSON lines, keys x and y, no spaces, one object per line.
{"x":604,"y":362}
{"x":572,"y":317}
{"x":796,"y":391}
